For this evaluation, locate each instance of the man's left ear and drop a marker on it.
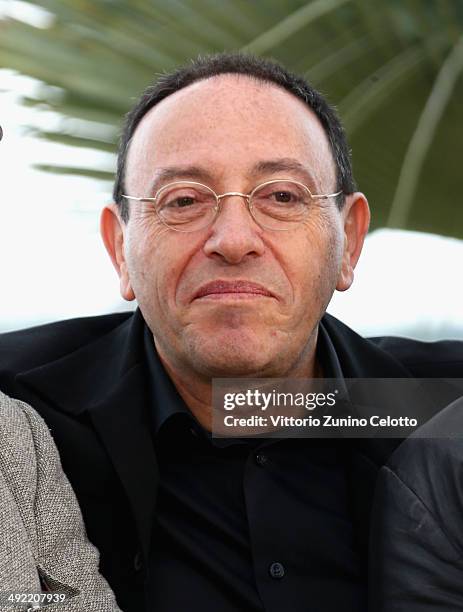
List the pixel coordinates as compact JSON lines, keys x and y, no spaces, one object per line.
{"x":356,"y":215}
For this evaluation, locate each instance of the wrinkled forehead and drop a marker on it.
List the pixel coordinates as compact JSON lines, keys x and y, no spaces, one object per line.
{"x":229,"y":123}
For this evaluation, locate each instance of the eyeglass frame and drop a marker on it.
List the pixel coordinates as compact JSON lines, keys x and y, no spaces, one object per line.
{"x":219,"y":197}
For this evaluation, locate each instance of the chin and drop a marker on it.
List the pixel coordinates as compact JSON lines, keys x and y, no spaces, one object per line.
{"x":231,"y":353}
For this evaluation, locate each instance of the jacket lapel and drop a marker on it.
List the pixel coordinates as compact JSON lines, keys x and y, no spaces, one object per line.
{"x":361,"y":358}
{"x":106,"y":380}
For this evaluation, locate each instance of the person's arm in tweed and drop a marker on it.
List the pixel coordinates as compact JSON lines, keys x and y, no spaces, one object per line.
{"x":64,"y":557}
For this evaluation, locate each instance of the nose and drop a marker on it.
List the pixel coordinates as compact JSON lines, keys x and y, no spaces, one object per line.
{"x":235,"y":236}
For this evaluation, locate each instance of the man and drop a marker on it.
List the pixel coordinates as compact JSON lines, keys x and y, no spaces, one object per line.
{"x":235,"y":219}
{"x":43,"y":546}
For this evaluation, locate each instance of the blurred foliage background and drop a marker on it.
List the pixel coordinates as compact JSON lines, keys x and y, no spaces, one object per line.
{"x":393,"y":68}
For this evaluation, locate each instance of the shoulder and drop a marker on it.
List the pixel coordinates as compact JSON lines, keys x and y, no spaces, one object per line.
{"x":433,"y":454}
{"x":32,"y":347}
{"x":440,"y":358}
{"x":19,"y":426}
{"x":17,"y":420}
{"x":429,"y":466}
{"x":27,"y":454}
{"x":384,"y":356}
{"x":23,"y":432}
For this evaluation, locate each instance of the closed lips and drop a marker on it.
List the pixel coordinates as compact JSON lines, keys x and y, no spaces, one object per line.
{"x":227,"y":287}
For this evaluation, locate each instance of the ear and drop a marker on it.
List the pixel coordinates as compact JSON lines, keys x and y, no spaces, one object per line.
{"x":112,"y":230}
{"x":356,"y":215}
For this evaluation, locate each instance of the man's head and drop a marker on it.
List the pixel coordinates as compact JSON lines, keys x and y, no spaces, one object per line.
{"x":232,"y":122}
{"x":254,"y":67}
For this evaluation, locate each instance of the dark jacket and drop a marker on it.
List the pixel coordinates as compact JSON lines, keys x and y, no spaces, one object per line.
{"x":87,"y":379}
{"x":417,"y":529}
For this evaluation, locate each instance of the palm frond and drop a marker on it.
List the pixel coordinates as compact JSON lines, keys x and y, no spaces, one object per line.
{"x":388,"y":65}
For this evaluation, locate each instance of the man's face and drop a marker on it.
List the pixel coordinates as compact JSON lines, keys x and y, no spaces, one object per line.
{"x":232,"y":133}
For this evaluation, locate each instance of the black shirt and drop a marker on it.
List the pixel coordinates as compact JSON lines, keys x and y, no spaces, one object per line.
{"x":249,"y":525}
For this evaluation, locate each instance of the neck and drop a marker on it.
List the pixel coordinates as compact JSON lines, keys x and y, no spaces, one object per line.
{"x":196,"y":390}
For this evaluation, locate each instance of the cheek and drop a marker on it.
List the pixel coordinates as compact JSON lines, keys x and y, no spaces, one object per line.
{"x":156,"y":259}
{"x":316,"y":262}
{"x":143,"y":252}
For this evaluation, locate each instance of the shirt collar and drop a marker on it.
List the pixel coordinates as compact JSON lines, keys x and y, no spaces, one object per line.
{"x":327,"y":356}
{"x":166,"y":398}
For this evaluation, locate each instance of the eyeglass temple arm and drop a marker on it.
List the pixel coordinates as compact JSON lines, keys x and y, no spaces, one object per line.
{"x":326,"y":196}
{"x":138,"y":199}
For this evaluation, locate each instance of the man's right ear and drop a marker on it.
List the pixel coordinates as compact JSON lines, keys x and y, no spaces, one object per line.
{"x":112,"y":231}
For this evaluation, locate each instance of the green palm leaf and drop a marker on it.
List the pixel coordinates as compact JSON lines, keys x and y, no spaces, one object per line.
{"x":386,"y":64}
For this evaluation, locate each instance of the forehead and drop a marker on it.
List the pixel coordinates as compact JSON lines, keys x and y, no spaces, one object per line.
{"x":228,"y":124}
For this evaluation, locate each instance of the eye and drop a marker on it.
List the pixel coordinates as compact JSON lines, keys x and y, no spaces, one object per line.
{"x":280,"y":193}
{"x":180,"y":198}
{"x":283,"y":196}
{"x":182,"y":202}
{"x":185,"y":196}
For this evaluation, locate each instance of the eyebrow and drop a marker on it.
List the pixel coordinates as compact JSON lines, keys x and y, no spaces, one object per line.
{"x":163,"y":175}
{"x":283,"y":164}
{"x":198,"y":173}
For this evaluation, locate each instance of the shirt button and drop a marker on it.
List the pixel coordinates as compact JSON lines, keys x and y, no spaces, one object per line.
{"x":276,"y":570}
{"x":261,"y":459}
{"x":138,"y":562}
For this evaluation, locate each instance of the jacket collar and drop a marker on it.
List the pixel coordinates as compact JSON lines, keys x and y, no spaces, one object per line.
{"x":106,"y":380}
{"x":361,"y":358}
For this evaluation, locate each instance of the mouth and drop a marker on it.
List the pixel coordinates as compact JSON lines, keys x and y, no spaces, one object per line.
{"x":225,"y":289}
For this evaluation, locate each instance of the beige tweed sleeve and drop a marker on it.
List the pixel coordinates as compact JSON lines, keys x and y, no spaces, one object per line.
{"x":56,"y":538}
